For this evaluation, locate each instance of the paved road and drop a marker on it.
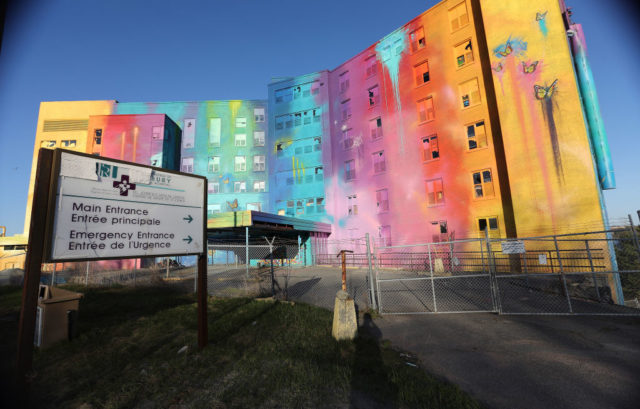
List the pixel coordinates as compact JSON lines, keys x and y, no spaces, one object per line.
{"x":532,"y":362}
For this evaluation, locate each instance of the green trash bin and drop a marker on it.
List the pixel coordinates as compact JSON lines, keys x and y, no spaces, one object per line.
{"x":56,"y":315}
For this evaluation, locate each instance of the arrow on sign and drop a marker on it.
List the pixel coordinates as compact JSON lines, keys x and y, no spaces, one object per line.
{"x":189,"y":219}
{"x":188,"y":240}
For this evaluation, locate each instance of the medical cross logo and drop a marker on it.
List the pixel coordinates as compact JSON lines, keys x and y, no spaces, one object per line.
{"x":124,"y":185}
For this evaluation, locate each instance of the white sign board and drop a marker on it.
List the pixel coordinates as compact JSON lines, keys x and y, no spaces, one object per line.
{"x":112,"y":209}
{"x":512,"y":247}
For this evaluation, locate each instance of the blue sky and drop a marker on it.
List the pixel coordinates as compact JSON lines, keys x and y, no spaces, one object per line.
{"x":134,"y":50}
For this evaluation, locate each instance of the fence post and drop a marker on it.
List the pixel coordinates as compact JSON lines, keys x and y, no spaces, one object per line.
{"x":372,"y":294}
{"x":564,"y":279}
{"x":481,"y":256}
{"x":86,"y":277}
{"x":247,"y":249}
{"x":433,"y":282}
{"x":635,"y":236}
{"x":53,"y":275}
{"x":595,"y":280}
{"x":493,"y":281}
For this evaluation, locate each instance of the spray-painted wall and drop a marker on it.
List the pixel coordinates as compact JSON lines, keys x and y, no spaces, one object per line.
{"x":551,"y":168}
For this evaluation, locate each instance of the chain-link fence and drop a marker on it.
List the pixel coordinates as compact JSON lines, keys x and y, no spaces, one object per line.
{"x":586,"y":273}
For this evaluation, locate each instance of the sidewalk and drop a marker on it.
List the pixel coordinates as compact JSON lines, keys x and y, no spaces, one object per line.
{"x":527,"y":361}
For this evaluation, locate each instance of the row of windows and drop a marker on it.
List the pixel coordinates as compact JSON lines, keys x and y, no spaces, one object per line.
{"x":296,"y":119}
{"x":217,"y":207}
{"x":382,"y":202}
{"x":297,"y":92}
{"x":298,"y":207}
{"x":215,"y":128}
{"x":238,"y":187}
{"x":310,"y":145}
{"x":309,"y":177}
{"x":213,"y":165}
{"x":68,"y":143}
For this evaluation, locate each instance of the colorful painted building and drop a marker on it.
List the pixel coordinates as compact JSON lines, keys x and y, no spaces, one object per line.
{"x":475,"y":115}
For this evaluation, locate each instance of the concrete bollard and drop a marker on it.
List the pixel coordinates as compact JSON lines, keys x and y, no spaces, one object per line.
{"x":345,"y":325}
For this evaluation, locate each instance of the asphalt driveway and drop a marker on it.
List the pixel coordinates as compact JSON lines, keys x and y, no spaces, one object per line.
{"x":527,"y":361}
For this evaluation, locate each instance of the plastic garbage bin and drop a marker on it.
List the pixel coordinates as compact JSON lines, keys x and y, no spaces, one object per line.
{"x":56,"y":315}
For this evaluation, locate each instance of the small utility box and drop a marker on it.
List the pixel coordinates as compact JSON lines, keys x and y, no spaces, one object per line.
{"x":56,"y":315}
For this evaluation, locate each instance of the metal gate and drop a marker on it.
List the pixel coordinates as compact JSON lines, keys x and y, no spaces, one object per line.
{"x":554,"y":275}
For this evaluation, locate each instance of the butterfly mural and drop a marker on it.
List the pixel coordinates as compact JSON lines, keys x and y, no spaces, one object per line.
{"x":506,"y":50}
{"x":542,"y":92}
{"x":541,"y":16}
{"x":530,"y":68}
{"x":498,"y":67}
{"x":233,"y":205}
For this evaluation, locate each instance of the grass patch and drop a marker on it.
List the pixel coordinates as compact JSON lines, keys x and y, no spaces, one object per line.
{"x":261,"y":354}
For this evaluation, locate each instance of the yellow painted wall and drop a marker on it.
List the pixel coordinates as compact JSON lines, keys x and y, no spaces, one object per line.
{"x":57,"y":111}
{"x":536,"y":92}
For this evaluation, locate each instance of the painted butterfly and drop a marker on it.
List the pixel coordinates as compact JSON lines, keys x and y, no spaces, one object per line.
{"x":545,"y":92}
{"x":541,"y":16}
{"x":498,"y":67}
{"x":528,"y":69}
{"x":507,"y":50}
{"x":233,"y":205}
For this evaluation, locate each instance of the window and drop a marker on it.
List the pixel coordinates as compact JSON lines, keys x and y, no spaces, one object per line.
{"x":492,"y":222}
{"x":344,"y":81}
{"x":258,"y":186}
{"x":289,"y":211}
{"x":239,"y":187}
{"x":375,"y":128}
{"x":476,"y":135}
{"x":417,"y":40}
{"x":214,"y":164}
{"x":384,"y":234}
{"x":382,"y":200}
{"x":315,"y":89}
{"x":374,"y":96}
{"x":213,"y":187}
{"x":439,"y":231}
{"x":435,"y":195}
{"x":469,"y":93}
{"x":157,"y":132}
{"x":258,"y":138}
{"x":188,"y":133}
{"x":463,"y":53}
{"x":483,"y":184}
{"x":297,"y":119}
{"x":258,"y":163}
{"x":240,"y":139}
{"x":347,"y":139}
{"x":317,"y":143}
{"x":319,"y":173}
{"x":284,"y":95}
{"x":425,"y":110}
{"x":213,"y":208}
{"x":430,"y":149}
{"x":70,"y":143}
{"x":97,"y":136}
{"x":371,"y":64}
{"x":257,"y":207}
{"x":240,"y":164}
{"x":350,"y":170}
{"x":300,"y":206}
{"x":215,"y":128}
{"x":258,"y":114}
{"x":458,"y":16}
{"x":346,"y":109}
{"x":379,"y":164}
{"x":297,"y":91}
{"x":320,"y":204}
{"x":187,"y":165}
{"x":47,"y":144}
{"x":421,"y":73}
{"x":352,"y":205}
{"x":317,"y":115}
{"x":241,"y":122}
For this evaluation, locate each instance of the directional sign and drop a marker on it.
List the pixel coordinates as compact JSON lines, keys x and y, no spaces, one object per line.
{"x":104,"y":208}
